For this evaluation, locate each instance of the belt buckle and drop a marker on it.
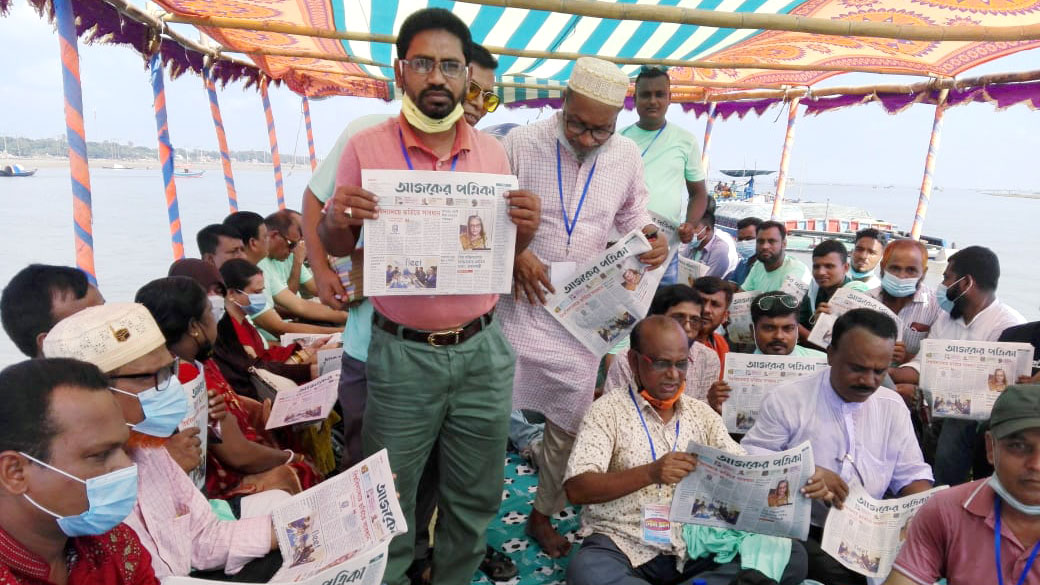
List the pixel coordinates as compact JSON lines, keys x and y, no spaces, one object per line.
{"x":432,"y":337}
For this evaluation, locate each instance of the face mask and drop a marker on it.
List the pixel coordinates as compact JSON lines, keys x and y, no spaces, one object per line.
{"x":216,"y":303}
{"x":424,"y":123}
{"x":898,"y":287}
{"x":994,"y":482}
{"x":857,"y":275}
{"x":942,"y":294}
{"x":110,"y":499}
{"x":746,"y":248}
{"x":257,"y":302}
{"x":697,"y":239}
{"x":163,"y":411}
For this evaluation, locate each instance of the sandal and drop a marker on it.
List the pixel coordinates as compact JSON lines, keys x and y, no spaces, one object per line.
{"x":497,"y":565}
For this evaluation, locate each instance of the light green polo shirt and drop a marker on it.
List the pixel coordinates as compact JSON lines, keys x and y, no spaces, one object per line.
{"x":759,"y":279}
{"x":669,"y":161}
{"x":800,"y":351}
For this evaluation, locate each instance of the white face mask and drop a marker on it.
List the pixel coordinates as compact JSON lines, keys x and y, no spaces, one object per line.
{"x":994,"y":482}
{"x":217,"y":307}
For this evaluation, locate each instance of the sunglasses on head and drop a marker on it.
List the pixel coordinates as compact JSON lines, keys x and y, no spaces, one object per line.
{"x":767,"y":302}
{"x":491,"y":99}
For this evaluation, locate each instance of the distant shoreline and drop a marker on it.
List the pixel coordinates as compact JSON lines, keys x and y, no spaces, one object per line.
{"x":141,"y":164}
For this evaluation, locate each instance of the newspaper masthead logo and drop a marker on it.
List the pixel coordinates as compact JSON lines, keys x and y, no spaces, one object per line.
{"x":347,"y":576}
{"x":384,"y":508}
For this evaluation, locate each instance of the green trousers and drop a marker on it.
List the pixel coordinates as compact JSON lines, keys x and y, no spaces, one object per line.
{"x":458,"y":395}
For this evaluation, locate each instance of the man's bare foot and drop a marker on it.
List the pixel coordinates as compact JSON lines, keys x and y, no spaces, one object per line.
{"x":540,"y":528}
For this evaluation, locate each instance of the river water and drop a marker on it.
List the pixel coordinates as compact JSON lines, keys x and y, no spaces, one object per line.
{"x":132,"y":238}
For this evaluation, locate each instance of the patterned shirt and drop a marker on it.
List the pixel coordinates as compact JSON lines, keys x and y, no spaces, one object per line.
{"x":555,"y":373}
{"x":917,"y":316}
{"x":612,"y":439}
{"x":702,"y":372}
{"x":113,"y":558}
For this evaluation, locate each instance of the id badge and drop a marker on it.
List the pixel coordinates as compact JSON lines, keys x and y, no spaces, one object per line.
{"x":657,"y":529}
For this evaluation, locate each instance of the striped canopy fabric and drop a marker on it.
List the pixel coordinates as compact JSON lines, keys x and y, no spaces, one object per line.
{"x":536,"y":77}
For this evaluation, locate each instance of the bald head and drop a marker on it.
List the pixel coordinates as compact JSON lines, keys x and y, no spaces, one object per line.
{"x":658,"y":357}
{"x":653,"y":329}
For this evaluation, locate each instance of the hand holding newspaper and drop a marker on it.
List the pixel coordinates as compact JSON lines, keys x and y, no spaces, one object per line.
{"x":438,"y":233}
{"x":846,"y":299}
{"x":753,"y":493}
{"x":605,"y":297}
{"x":310,"y":402}
{"x":866,"y":534}
{"x":964,"y":378}
{"x":751,"y":376}
{"x":198,"y":417}
{"x":336,"y":532}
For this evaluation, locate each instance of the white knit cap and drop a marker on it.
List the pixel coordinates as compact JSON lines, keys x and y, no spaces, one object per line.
{"x":600,"y":80}
{"x":108,"y":336}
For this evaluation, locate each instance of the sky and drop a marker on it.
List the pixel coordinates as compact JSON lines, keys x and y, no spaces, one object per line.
{"x":981,"y":147}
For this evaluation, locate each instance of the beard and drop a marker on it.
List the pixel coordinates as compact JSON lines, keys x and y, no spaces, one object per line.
{"x":440,"y":108}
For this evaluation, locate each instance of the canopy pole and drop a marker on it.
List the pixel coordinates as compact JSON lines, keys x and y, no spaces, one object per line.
{"x":82,"y":209}
{"x":218,"y":124}
{"x":929,"y":166}
{"x":785,"y":159}
{"x":707,"y":139}
{"x":276,"y":158}
{"x":166,"y":155}
{"x":310,"y":133}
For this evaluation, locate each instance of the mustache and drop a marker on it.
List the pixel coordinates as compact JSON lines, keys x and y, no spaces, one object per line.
{"x":436,"y":90}
{"x":862,"y":388}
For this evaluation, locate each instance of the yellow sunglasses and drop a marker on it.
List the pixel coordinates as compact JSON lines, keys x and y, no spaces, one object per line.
{"x":491,"y":99}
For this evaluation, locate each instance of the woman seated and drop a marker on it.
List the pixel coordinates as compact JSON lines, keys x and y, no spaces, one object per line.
{"x":240,"y":460}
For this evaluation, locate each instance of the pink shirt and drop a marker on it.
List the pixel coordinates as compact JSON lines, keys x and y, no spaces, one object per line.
{"x":379,"y":147}
{"x":952,"y":536}
{"x":176,"y":524}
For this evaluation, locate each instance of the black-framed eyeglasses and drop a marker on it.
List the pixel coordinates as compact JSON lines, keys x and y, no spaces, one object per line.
{"x":424,"y":65}
{"x":662,"y":366}
{"x":576,"y":127}
{"x":160,"y":377}
{"x":766,"y":302}
{"x":292,"y":244}
{"x":491,"y":99}
{"x":683,"y":320}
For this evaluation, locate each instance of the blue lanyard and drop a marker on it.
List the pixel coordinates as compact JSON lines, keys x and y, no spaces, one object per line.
{"x":996,"y":548}
{"x":408,"y":159}
{"x":653,"y":140}
{"x":568,"y":224}
{"x":653,"y":452}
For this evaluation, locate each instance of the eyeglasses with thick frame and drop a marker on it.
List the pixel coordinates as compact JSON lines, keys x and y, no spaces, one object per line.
{"x":576,"y":127}
{"x":662,"y":366}
{"x":292,"y":244}
{"x":683,"y":320}
{"x":161,"y":377}
{"x":491,"y":99}
{"x":766,"y":302}
{"x":450,"y":69}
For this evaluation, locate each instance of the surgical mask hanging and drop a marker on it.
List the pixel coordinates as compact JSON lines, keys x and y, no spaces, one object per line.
{"x":163,"y":410}
{"x":745,"y":248}
{"x":994,"y":482}
{"x":898,"y":287}
{"x":110,"y":499}
{"x":857,"y":275}
{"x":216,"y":306}
{"x":945,"y":302}
{"x":424,"y":123}
{"x":697,"y":239}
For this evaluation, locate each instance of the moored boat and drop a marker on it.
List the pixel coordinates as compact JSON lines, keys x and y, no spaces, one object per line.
{"x":16,"y":171}
{"x":188,"y":173}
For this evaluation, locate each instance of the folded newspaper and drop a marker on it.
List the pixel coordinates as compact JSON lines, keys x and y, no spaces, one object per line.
{"x":964,"y":378}
{"x":336,"y":532}
{"x":310,"y":402}
{"x":439,"y":233}
{"x":795,"y":287}
{"x":866,"y":534}
{"x":739,"y":328}
{"x":751,"y":376}
{"x":843,"y":300}
{"x":690,"y":270}
{"x":605,"y":297}
{"x":198,"y":417}
{"x":753,"y":493}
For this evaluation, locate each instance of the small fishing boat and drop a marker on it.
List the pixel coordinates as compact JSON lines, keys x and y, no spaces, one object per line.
{"x":188,"y":173}
{"x":16,"y":171}
{"x":116,"y":167}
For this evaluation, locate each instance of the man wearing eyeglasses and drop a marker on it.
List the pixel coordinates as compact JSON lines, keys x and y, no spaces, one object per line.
{"x":590,"y":181}
{"x":481,"y":98}
{"x":859,"y":431}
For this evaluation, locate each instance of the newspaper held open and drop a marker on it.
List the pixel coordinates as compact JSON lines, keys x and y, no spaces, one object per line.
{"x":843,"y":300}
{"x":198,"y":417}
{"x":310,"y":402}
{"x":739,"y":330}
{"x":965,"y":378}
{"x":753,"y":493}
{"x":751,"y":376}
{"x":795,"y":287}
{"x":866,"y":534}
{"x":690,"y":270}
{"x":605,"y":297}
{"x":438,"y":233}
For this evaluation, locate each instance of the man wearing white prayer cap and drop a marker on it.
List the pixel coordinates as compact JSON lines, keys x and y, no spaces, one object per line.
{"x":590,"y":180}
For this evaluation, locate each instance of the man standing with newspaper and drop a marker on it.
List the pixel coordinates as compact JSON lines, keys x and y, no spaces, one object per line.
{"x":858,"y":431}
{"x":439,"y":369}
{"x":590,"y":181}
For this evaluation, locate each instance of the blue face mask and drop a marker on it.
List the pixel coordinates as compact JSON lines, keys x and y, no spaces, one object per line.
{"x":257,"y":302}
{"x":857,"y":275}
{"x":110,"y":499}
{"x":746,"y":248}
{"x":163,"y":410}
{"x":697,"y":239}
{"x":898,"y":287}
{"x":942,"y":294}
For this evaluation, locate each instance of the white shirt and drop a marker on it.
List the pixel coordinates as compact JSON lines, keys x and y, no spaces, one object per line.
{"x":870,"y":442}
{"x":986,"y":326}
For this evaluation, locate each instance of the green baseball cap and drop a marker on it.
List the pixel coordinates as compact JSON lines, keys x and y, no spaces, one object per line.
{"x":1016,"y":409}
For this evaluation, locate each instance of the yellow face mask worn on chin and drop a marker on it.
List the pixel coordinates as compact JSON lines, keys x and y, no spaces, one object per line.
{"x":424,"y":123}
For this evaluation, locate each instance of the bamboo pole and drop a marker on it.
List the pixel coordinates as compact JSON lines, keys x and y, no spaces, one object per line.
{"x":166,"y":155}
{"x":218,"y":125}
{"x":785,"y":159}
{"x":929,"y":166}
{"x":707,"y":139}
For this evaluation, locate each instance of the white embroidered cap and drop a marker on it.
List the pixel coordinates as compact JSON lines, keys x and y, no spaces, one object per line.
{"x":600,"y":80}
{"x":108,"y":336}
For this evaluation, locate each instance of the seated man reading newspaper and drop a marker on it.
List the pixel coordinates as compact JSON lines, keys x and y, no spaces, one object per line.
{"x":624,"y":468}
{"x":859,"y":431}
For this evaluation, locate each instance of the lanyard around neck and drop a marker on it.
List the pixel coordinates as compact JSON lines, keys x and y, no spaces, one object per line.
{"x":568,"y":224}
{"x":654,"y":139}
{"x":408,"y":159}
{"x":996,"y":548}
{"x":639,"y":411}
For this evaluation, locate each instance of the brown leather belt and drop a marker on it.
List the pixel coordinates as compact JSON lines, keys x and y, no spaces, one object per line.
{"x":436,"y":338}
